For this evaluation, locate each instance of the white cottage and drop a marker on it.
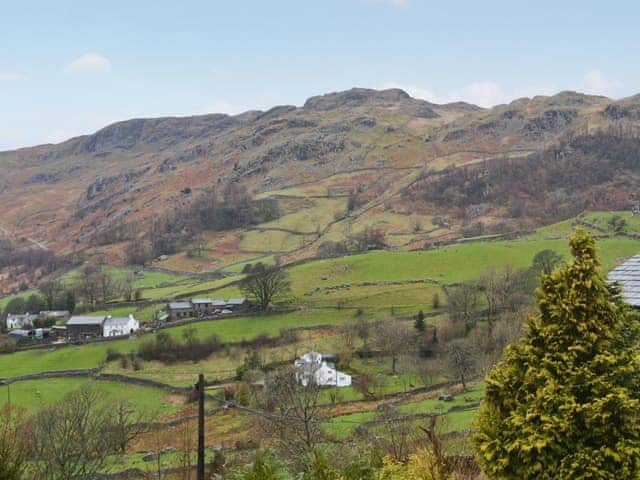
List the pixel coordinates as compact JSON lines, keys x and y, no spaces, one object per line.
{"x":116,"y":326}
{"x":312,"y":365}
{"x":24,"y":320}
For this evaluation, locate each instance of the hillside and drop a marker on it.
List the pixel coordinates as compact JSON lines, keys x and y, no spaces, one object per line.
{"x":319,"y":173}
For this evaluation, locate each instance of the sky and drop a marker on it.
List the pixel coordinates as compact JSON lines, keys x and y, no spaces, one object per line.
{"x":71,"y":67}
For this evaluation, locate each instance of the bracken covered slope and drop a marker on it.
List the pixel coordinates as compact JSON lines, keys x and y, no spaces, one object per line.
{"x":376,"y":147}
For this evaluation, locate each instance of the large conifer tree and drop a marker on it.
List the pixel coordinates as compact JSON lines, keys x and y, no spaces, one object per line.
{"x":564,"y":403}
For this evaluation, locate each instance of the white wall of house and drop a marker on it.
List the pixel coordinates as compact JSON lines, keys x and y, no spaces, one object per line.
{"x":311,"y":366}
{"x":124,"y":326}
{"x":19,"y":321}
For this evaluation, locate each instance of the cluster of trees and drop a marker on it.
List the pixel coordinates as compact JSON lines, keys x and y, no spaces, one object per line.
{"x":617,"y":223}
{"x":167,"y":349}
{"x":234,"y":208}
{"x":557,"y":183}
{"x":94,"y":287}
{"x":371,"y":238}
{"x":564,"y":401}
{"x":70,"y":439}
{"x":32,"y":258}
{"x":487,"y":315}
{"x":114,"y":232}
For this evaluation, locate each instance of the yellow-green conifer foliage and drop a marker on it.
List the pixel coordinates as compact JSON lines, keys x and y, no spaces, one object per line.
{"x":564,"y":403}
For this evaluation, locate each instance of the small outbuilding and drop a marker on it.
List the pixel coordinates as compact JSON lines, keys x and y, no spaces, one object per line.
{"x":83,"y":328}
{"x":179,"y":310}
{"x":20,"y":335}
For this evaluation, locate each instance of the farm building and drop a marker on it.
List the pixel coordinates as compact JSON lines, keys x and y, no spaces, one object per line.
{"x":628,"y":276}
{"x":82,"y":328}
{"x":178,"y":310}
{"x":116,"y":326}
{"x":314,"y":366}
{"x":23,"y":320}
{"x":236,"y":303}
{"x":20,"y":335}
{"x":204,"y":307}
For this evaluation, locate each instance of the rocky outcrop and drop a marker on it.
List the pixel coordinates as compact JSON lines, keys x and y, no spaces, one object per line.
{"x":104,"y":183}
{"x":49,"y":178}
{"x":183,"y":157}
{"x":355,"y":97}
{"x":550,"y":121}
{"x":616,"y":111}
{"x":302,"y":149}
{"x":157,"y":133}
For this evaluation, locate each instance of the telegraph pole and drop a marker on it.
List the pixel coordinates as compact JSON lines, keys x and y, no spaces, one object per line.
{"x":201,"y":427}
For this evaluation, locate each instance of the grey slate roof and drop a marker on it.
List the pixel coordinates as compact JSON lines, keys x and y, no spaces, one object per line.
{"x":85,"y":320}
{"x":179,"y":305}
{"x":202,"y":300}
{"x":116,"y":321}
{"x":236,"y":301}
{"x":18,"y":332}
{"x":628,"y":275}
{"x":54,"y":313}
{"x":24,"y":317}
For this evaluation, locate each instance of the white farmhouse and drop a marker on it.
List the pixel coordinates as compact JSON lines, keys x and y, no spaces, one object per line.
{"x":312,"y":366}
{"x":116,"y":326}
{"x":24,"y":320}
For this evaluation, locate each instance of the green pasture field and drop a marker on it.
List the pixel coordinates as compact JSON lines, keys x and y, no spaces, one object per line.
{"x":33,"y":394}
{"x":238,"y":267}
{"x":150,"y":279}
{"x":600,"y":219}
{"x":229,"y":330}
{"x":222,"y":365}
{"x":433,"y":405}
{"x":447,"y":265}
{"x":311,"y":218}
{"x":404,"y":299}
{"x":186,"y":288}
{"x":344,"y":425}
{"x":270,"y":241}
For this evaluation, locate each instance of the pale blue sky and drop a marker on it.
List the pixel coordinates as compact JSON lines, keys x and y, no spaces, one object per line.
{"x":71,"y":67}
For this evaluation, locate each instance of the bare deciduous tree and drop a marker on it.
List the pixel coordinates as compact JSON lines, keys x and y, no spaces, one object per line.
{"x":363,"y":330}
{"x":264,"y":284}
{"x":399,"y":434}
{"x":462,"y":304}
{"x":393,"y":338}
{"x":295,"y":413}
{"x":126,"y":423}
{"x":461,"y":357}
{"x":51,"y":290}
{"x":73,"y":438}
{"x":14,"y":451}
